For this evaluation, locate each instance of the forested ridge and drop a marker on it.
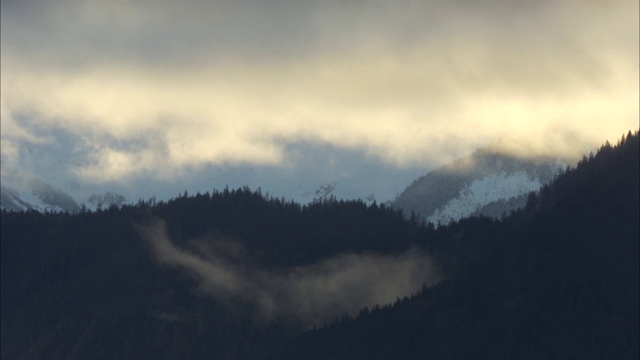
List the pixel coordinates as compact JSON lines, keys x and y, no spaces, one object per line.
{"x":86,"y":285}
{"x":557,"y":279}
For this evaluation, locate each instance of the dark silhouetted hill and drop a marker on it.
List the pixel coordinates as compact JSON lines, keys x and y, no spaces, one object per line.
{"x":91,"y":286}
{"x":235,"y":274}
{"x":557,"y":280}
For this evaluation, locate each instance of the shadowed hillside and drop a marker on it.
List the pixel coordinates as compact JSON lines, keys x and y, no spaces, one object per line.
{"x":235,"y":274}
{"x":557,"y":280}
{"x":210,"y":274}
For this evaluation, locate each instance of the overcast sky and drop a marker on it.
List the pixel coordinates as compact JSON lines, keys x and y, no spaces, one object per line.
{"x":297,"y":93}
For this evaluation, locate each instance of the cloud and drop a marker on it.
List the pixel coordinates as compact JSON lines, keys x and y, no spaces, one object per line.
{"x":161,"y":90}
{"x":13,"y":136}
{"x":312,"y":293}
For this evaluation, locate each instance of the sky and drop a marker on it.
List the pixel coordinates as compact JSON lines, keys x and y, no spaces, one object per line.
{"x":155,"y":97}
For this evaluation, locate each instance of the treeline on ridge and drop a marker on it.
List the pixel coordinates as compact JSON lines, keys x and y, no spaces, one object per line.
{"x":558,"y":278}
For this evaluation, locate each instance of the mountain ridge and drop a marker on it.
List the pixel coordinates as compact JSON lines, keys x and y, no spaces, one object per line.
{"x":557,"y":278}
{"x":35,"y":194}
{"x":487,"y":182}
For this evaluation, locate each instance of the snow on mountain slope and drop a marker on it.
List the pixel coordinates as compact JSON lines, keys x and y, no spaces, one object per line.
{"x":31,"y":193}
{"x":10,"y":200}
{"x":21,"y":191}
{"x":486,"y":183}
{"x":484,"y":191}
{"x":39,"y":200}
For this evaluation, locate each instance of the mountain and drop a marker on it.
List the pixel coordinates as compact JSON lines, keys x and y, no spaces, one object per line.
{"x":235,"y":274}
{"x":106,"y":199}
{"x":487,"y":182}
{"x":558,"y":279}
{"x":10,"y":200}
{"x":35,"y":194}
{"x":30,"y":193}
{"x":325,"y":191}
{"x":224,"y":274}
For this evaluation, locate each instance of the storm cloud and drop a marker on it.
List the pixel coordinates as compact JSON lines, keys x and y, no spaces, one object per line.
{"x":312,"y":294}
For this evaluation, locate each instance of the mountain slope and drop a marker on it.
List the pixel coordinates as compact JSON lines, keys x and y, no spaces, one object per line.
{"x":36,"y":195}
{"x":196,"y":277}
{"x":557,"y":280}
{"x":235,"y":275}
{"x":485,"y":183}
{"x":10,"y":200}
{"x":30,"y":193}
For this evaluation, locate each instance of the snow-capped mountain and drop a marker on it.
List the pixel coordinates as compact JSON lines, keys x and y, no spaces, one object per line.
{"x":27,"y":192}
{"x":485,"y":183}
{"x":10,"y":200}
{"x":35,"y":194}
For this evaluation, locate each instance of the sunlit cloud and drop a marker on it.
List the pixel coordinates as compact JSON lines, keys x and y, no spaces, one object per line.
{"x":548,"y":79}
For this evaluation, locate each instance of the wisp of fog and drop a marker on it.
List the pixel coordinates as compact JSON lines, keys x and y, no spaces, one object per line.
{"x":312,"y":294}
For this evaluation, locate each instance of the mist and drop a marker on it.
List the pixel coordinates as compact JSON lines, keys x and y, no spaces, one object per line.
{"x":311,"y":294}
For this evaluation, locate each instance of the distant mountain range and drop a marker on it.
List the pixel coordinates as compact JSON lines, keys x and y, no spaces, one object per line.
{"x":487,"y":183}
{"x":31,"y":193}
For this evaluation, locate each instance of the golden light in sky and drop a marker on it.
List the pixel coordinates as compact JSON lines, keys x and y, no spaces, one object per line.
{"x":172,"y":88}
